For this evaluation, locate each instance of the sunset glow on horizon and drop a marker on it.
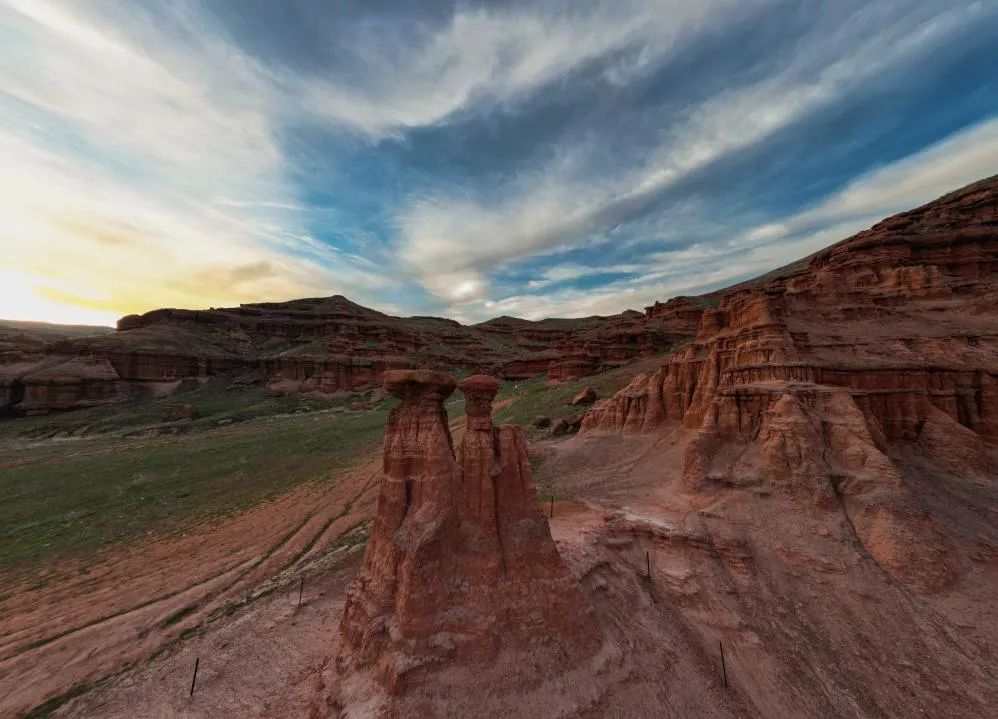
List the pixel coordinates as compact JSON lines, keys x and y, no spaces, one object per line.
{"x":534,"y":159}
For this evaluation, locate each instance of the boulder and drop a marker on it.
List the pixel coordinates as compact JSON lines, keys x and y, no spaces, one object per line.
{"x":541,"y":422}
{"x":586,"y":396}
{"x":569,"y":424}
{"x":177,"y":412}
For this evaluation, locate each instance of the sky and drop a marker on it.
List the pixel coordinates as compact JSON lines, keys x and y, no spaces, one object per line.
{"x":467,"y":160}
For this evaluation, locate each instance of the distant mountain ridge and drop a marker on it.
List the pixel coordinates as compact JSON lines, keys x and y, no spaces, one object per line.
{"x":331,"y":344}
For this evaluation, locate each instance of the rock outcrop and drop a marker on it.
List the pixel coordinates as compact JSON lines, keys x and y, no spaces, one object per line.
{"x":178,"y":412}
{"x":58,"y":383}
{"x":460,"y":564}
{"x":903,"y":316}
{"x":814,"y":446}
{"x":312,"y":346}
{"x":806,"y":383}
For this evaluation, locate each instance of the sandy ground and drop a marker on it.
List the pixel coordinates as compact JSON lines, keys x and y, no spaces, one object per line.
{"x":810,"y":625}
{"x":87,"y":625}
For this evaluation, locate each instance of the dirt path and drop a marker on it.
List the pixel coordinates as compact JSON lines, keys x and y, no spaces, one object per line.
{"x":810,"y":625}
{"x":94,"y":621}
{"x":97,"y":619}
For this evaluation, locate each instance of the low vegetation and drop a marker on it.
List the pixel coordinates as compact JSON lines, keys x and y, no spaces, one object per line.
{"x":70,"y":498}
{"x":77,"y":483}
{"x":213,"y":403}
{"x":536,"y":396}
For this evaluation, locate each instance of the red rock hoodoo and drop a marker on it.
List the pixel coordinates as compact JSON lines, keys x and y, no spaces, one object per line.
{"x":460,"y":564}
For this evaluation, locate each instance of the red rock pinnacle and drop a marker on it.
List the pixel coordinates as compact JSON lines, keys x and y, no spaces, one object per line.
{"x":460,"y":564}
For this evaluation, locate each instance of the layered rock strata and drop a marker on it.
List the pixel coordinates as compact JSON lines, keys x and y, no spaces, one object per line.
{"x":460,"y":564}
{"x":904,"y":316}
{"x":322,"y":345}
{"x":807,"y":384}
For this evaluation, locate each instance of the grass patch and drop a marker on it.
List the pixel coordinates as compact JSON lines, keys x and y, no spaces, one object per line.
{"x":537,"y":396}
{"x":189,"y":632}
{"x":702,"y":302}
{"x":213,"y":402}
{"x":70,"y":499}
{"x":357,"y":534}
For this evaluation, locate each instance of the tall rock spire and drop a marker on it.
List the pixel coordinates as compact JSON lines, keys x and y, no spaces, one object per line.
{"x":460,"y":564}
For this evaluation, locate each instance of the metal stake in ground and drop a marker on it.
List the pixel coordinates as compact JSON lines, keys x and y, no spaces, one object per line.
{"x":195,"y":678}
{"x":648,"y":564}
{"x":724,"y":669}
{"x":301,"y":588}
{"x":552,"y":505}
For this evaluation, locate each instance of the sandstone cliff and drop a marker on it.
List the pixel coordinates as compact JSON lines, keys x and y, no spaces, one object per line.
{"x":460,"y":564}
{"x":322,"y":345}
{"x":904,"y":316}
{"x":807,"y":384}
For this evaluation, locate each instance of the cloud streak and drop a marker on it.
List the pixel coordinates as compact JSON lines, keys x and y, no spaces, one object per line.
{"x":561,"y":204}
{"x":488,"y":59}
{"x":920,"y":178}
{"x":126,"y":147}
{"x":535,"y":158}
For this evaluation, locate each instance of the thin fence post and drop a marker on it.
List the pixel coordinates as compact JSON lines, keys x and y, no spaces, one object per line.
{"x":552,"y":505}
{"x":648,"y":564}
{"x":301,"y":588}
{"x":197,"y":662}
{"x":724,"y":668}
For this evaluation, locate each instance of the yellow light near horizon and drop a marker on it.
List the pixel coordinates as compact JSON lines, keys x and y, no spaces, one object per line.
{"x":25,"y":298}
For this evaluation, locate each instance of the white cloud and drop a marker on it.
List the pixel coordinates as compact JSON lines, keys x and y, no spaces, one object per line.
{"x":957,"y":161}
{"x":488,"y":58}
{"x":948,"y":165}
{"x":567,"y":272}
{"x":140,"y":169}
{"x":562,"y":205}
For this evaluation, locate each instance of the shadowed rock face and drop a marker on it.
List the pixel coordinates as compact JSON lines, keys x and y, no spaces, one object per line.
{"x":319,"y":345}
{"x":809,"y":384}
{"x":903,"y":316}
{"x":460,"y":564}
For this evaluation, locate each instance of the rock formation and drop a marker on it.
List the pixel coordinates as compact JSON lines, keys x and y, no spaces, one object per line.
{"x":322,"y":345}
{"x":902,"y":316}
{"x":460,"y":564}
{"x":178,"y":412}
{"x":807,"y":383}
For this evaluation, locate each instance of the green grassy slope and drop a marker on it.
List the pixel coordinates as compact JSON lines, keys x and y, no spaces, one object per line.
{"x":71,"y":498}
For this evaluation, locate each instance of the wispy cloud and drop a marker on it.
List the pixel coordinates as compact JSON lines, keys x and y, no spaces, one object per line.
{"x":450,"y":242}
{"x":922,"y":177}
{"x":484,"y":59}
{"x":141,"y":169}
{"x":552,"y":157}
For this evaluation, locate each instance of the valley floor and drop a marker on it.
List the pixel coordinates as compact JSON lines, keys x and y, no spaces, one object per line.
{"x":810,"y":625}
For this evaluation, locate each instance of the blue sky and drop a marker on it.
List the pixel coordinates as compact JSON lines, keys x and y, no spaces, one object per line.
{"x":467,"y":159}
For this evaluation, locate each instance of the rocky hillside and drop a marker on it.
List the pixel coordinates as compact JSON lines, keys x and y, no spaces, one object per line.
{"x":902,"y":315}
{"x":322,"y":345}
{"x":841,"y":383}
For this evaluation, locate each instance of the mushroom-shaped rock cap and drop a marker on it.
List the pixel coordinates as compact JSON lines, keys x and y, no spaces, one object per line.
{"x":404,"y":383}
{"x":479,"y":383}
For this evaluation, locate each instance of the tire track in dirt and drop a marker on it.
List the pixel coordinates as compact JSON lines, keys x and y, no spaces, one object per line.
{"x":88,"y":652}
